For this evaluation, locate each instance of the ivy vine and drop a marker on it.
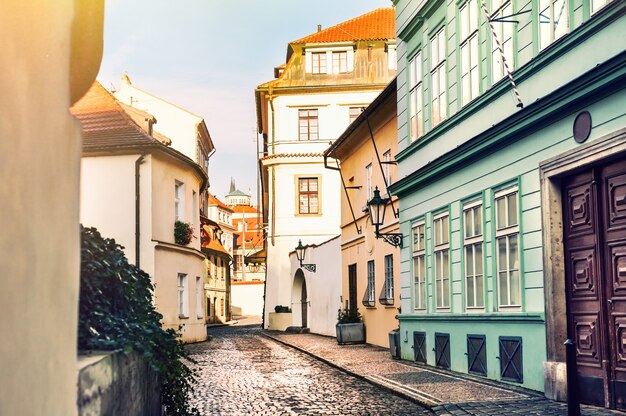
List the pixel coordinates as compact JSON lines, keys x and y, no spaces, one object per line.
{"x":116,"y":313}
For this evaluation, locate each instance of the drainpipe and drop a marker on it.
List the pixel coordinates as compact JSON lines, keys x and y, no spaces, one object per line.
{"x":272,"y":200}
{"x":138,"y":162}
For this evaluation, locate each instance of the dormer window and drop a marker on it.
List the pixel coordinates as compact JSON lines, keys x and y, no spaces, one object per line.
{"x":319,"y":62}
{"x":329,"y":60}
{"x":340,"y":62}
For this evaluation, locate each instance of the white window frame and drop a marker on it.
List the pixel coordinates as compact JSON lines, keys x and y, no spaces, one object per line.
{"x":419,"y":262}
{"x":319,"y":63}
{"x":179,"y":201}
{"x":504,"y":31}
{"x":469,"y":51}
{"x":312,"y":119}
{"x":507,"y":232}
{"x":354,"y":113}
{"x":183,"y":296}
{"x":471,"y":242}
{"x":438,"y":86}
{"x":371,"y":281}
{"x":595,"y":5}
{"x":199,"y":297}
{"x":441,"y":246}
{"x":339,"y":66}
{"x":308,"y":192}
{"x":389,"y":290}
{"x":416,"y":99}
{"x":392,"y":57}
{"x":550,"y":29}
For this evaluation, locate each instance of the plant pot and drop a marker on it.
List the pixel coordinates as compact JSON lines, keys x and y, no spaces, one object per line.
{"x":351,"y":333}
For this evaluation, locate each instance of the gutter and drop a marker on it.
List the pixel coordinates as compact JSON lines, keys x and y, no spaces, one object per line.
{"x":138,"y":163}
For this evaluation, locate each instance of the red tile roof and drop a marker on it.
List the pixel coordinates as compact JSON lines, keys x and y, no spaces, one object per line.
{"x":245,"y":208}
{"x":375,"y":25}
{"x":105,"y":123}
{"x":210,"y":242}
{"x":214,"y":201}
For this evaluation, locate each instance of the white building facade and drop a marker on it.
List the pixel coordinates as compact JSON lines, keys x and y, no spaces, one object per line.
{"x":327,"y":80}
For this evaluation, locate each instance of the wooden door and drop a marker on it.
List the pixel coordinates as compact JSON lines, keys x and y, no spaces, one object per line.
{"x":614,"y":243}
{"x":352,"y":287}
{"x":594,"y":214}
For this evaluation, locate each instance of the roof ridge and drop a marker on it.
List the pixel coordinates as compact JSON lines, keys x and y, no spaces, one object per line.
{"x":344,"y":23}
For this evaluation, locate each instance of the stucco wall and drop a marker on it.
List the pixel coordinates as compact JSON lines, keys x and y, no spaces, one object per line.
{"x":172,"y":121}
{"x":169,"y":262}
{"x":323,"y":287}
{"x":40,"y":165}
{"x":247,"y":298}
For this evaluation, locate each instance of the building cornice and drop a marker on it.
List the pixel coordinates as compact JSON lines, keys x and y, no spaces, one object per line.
{"x":598,"y":83}
{"x":180,"y":249}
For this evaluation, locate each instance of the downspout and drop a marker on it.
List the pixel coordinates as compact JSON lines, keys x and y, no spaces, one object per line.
{"x":138,"y":163}
{"x":272,"y":200}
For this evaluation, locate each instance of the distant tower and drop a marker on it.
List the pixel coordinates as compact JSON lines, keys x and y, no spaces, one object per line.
{"x":232,"y":185}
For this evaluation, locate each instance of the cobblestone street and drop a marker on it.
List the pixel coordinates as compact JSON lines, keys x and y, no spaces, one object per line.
{"x":244,"y":373}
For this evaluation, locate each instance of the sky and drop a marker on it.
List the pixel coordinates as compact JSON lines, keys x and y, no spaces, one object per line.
{"x":208,"y":56}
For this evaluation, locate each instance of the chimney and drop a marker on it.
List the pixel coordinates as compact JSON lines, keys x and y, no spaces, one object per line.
{"x":319,"y":28}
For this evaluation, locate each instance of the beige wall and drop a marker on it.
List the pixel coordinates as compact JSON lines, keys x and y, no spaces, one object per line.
{"x":39,"y":166}
{"x":359,"y":249}
{"x":169,"y":262}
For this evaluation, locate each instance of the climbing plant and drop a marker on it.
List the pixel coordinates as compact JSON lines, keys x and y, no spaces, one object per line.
{"x":116,"y":313}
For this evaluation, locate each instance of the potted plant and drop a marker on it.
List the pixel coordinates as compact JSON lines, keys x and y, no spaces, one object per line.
{"x":350,"y":328}
{"x":182,"y":233}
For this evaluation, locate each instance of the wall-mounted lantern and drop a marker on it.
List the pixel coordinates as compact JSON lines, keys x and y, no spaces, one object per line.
{"x":377,"y":207}
{"x":300,"y":251}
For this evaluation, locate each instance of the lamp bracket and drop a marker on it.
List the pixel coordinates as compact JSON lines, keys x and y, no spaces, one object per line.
{"x":309,"y":267}
{"x":395,"y":239}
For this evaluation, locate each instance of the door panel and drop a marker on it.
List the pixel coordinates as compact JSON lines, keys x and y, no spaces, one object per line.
{"x":352,"y":287}
{"x":614,"y":236}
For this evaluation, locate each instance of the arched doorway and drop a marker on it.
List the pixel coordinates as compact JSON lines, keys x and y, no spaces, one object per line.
{"x":300,"y":299}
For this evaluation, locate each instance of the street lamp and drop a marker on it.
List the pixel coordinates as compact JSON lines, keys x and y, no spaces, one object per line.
{"x":300,"y":251}
{"x":376,"y":208}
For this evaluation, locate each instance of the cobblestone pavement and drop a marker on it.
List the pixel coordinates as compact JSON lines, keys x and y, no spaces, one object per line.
{"x":445,"y":392}
{"x":244,"y":373}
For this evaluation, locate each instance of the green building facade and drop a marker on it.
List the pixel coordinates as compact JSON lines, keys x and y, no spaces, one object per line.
{"x":491,"y":190}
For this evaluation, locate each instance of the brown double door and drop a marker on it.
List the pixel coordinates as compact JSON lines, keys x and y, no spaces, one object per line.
{"x":594,"y":224}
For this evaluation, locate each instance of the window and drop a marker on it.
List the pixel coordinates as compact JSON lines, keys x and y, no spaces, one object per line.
{"x":387,"y":166}
{"x":238,"y":262}
{"x":415,"y":97}
{"x":308,"y":197}
{"x":392,"y":57}
{"x":473,"y":249}
{"x":438,"y":77}
{"x":195,"y":210}
{"x":442,"y":261}
{"x":419,"y":267}
{"x":597,"y":5}
{"x":179,"y":201}
{"x":307,"y":124}
{"x":553,"y":21}
{"x":507,"y":247}
{"x":183,"y":301}
{"x":504,"y":32}
{"x":340,"y":62}
{"x":222,"y":307}
{"x":469,"y":51}
{"x":389,"y":277}
{"x":370,"y":296}
{"x":355,"y":112}
{"x":199,"y":293}
{"x":368,"y":174}
{"x":319,"y":62}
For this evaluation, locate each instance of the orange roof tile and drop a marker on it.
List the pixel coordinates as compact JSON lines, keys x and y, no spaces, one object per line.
{"x":377,"y":24}
{"x":210,"y":242}
{"x":245,"y":208}
{"x":214,"y":201}
{"x":105,"y":123}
